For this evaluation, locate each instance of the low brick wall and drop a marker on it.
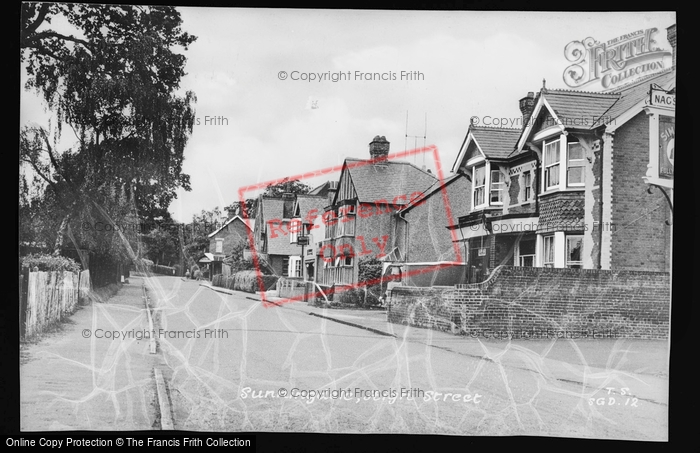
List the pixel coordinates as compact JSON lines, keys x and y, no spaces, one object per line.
{"x":531,"y":301}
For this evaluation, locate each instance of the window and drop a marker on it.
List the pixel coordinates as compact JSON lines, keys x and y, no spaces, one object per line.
{"x":479,"y":185}
{"x":285,"y":267}
{"x":575,"y":166}
{"x":496,"y":187}
{"x":219,"y":246}
{"x":548,"y":255}
{"x":526,"y":253}
{"x":346,"y":221}
{"x":347,"y":261}
{"x":527,"y":186}
{"x":574,"y":245}
{"x":297,"y":267}
{"x":551,"y":164}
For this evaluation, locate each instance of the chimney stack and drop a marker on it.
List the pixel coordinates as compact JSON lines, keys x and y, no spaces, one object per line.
{"x":671,"y":35}
{"x":527,"y":105}
{"x":379,"y":148}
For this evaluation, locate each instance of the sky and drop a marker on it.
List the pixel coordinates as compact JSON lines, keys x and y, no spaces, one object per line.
{"x":256,"y":124}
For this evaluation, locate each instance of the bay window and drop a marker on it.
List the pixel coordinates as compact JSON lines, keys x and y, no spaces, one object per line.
{"x":496,"y":187}
{"x":575,"y":165}
{"x":574,"y":245}
{"x":551,"y":164}
{"x":479,"y":186}
{"x":548,"y":255}
{"x":526,"y":253}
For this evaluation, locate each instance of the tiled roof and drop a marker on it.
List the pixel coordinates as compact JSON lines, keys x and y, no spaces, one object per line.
{"x":563,"y":214}
{"x":436,"y":187}
{"x":631,"y":95}
{"x":495,"y":142}
{"x":250,"y":224}
{"x":579,"y":109}
{"x":596,"y":109}
{"x":308,"y":202}
{"x":387,"y":180}
{"x":272,"y":207}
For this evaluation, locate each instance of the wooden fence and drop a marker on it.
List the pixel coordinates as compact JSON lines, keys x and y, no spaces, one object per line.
{"x":50,"y":297}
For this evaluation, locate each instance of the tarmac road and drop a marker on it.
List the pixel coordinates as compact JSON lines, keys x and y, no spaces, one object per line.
{"x":237,"y":366}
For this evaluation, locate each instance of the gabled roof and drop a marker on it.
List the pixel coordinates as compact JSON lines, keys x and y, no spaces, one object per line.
{"x":250,"y":224}
{"x":590,"y":110}
{"x":437,"y":187}
{"x":492,"y":142}
{"x":272,"y":208}
{"x":579,"y":109}
{"x":386,"y":180}
{"x":495,"y":142}
{"x":306,"y":203}
{"x":324,"y":188}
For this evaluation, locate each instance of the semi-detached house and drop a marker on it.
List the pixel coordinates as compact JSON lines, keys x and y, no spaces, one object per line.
{"x":586,"y":183}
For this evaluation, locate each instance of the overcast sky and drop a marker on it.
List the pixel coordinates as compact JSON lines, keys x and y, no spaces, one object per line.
{"x":472,"y":64}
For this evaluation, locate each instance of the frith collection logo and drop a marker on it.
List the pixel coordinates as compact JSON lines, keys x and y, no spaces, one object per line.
{"x":616,"y":62}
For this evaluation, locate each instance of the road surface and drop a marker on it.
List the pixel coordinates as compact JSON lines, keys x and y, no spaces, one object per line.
{"x":233,"y":365}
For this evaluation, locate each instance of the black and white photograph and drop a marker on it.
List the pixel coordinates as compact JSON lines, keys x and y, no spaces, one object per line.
{"x":242,"y":221}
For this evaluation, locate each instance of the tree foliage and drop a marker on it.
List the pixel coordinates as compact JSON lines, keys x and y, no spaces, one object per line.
{"x":114,"y":80}
{"x":287,"y":186}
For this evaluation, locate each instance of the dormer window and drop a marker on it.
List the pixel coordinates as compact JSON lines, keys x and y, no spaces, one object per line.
{"x":551,"y":164}
{"x":479,"y":186}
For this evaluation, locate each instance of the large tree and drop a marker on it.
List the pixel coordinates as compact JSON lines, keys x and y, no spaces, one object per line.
{"x":113,"y":78}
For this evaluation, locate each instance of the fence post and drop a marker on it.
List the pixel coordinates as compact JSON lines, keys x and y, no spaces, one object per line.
{"x":24,"y":287}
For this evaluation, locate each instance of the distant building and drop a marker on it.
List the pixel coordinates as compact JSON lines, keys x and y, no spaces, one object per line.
{"x":234,"y":232}
{"x":308,"y":211}
{"x":271,"y":232}
{"x":360,"y":220}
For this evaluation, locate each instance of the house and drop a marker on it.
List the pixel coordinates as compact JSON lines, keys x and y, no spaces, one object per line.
{"x":503,"y":187}
{"x":585,"y":183}
{"x":421,"y":228}
{"x":271,"y":232}
{"x":222,"y":242}
{"x":360,"y":220}
{"x":308,"y":210}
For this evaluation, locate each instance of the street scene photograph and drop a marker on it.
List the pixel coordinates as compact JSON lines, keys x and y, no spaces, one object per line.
{"x":242,"y":221}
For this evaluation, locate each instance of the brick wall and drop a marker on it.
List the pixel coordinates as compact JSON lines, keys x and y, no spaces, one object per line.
{"x":622,"y":304}
{"x":640,"y":238}
{"x":233,"y":234}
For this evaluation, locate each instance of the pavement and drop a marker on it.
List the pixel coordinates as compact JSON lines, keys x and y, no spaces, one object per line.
{"x":603,"y":367}
{"x":75,"y":378}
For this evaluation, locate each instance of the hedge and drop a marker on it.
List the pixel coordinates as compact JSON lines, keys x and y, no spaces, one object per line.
{"x":245,"y":281}
{"x":49,"y":263}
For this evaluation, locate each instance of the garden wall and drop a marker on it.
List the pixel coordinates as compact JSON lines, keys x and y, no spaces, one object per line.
{"x":532,"y":301}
